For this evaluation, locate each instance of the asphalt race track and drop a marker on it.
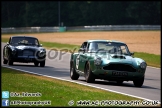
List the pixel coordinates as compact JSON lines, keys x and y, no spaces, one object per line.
{"x":60,"y":67}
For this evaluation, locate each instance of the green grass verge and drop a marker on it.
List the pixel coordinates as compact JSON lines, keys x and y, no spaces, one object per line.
{"x":61,"y":46}
{"x":57,"y":91}
{"x":151,"y":59}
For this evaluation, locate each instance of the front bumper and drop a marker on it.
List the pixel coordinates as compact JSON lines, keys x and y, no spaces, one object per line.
{"x":120,"y":75}
{"x":27,"y":59}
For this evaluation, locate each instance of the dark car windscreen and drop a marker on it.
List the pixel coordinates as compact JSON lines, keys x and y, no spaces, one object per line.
{"x":24,"y":41}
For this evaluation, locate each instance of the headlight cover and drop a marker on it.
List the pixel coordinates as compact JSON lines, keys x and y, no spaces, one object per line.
{"x":143,"y":65}
{"x":42,"y":50}
{"x":97,"y":61}
{"x":42,"y":53}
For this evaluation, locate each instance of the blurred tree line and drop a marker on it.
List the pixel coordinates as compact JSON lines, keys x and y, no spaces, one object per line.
{"x":79,"y":13}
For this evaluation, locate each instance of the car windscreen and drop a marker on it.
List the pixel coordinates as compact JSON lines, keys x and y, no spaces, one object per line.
{"x":109,"y":47}
{"x":24,"y":40}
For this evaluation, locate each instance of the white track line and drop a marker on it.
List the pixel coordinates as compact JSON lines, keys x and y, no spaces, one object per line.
{"x":82,"y":84}
{"x":153,"y":67}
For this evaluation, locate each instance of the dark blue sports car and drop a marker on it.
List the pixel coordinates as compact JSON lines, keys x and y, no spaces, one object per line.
{"x":24,"y":49}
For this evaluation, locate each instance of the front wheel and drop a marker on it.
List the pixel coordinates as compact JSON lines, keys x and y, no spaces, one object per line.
{"x":36,"y":63}
{"x":73,"y":74}
{"x":5,"y":61}
{"x":119,"y":82}
{"x":42,"y":63}
{"x":90,"y":78}
{"x":138,"y":82}
{"x":10,"y":61}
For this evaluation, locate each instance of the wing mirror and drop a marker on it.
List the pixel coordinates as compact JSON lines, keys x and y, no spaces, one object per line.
{"x":81,"y":49}
{"x":41,"y":45}
{"x":132,"y":53}
{"x":7,"y":43}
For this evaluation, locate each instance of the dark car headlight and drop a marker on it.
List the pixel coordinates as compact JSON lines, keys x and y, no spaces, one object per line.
{"x":43,"y":50}
{"x":97,"y":61}
{"x":41,"y":53}
{"x":143,"y":65}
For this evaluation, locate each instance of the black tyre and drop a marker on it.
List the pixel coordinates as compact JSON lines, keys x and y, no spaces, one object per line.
{"x":36,"y":63}
{"x":10,"y":61}
{"x":90,"y":78}
{"x":138,"y":82}
{"x":119,"y":82}
{"x":42,"y":63}
{"x":5,"y":61}
{"x":73,"y":74}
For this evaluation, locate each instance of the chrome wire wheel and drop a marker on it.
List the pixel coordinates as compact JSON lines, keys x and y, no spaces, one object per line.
{"x":90,"y":78}
{"x":73,"y":74}
{"x":87,"y":70}
{"x":71,"y":71}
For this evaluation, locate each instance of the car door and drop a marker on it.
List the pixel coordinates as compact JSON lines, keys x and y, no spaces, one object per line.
{"x":83,"y":57}
{"x":77,"y":60}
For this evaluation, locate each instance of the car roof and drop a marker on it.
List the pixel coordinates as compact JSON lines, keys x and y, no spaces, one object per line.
{"x":23,"y":36}
{"x":114,"y":41}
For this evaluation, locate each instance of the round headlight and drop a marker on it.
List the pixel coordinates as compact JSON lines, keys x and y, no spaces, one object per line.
{"x":42,"y":51}
{"x":41,"y":54}
{"x":97,"y":61}
{"x":143,"y":65}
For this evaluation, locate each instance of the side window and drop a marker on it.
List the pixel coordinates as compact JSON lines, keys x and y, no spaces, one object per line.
{"x":123,"y":49}
{"x":36,"y":42}
{"x":88,"y":44}
{"x":93,"y":46}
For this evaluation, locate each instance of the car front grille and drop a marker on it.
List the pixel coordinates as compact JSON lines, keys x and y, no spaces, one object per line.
{"x":120,"y":67}
{"x":19,"y":52}
{"x":26,"y":52}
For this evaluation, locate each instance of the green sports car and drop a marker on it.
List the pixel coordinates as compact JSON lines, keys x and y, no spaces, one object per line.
{"x":107,"y":60}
